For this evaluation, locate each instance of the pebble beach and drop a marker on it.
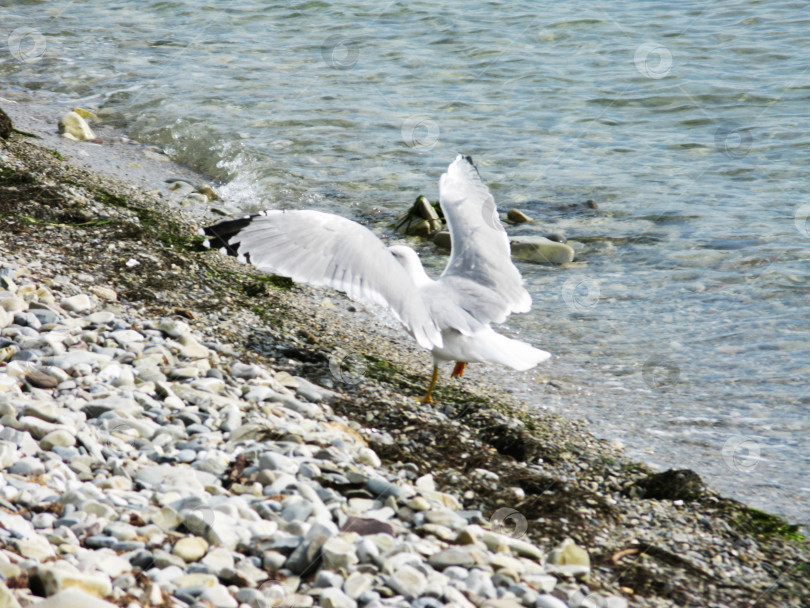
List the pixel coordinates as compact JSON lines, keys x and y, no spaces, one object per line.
{"x":177,"y":430}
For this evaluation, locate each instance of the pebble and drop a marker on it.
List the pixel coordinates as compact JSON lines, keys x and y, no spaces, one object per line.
{"x":190,"y":549}
{"x":407,"y":581}
{"x":219,"y":597}
{"x":335,"y":598}
{"x":78,"y":303}
{"x":338,"y":554}
{"x":549,"y":601}
{"x":187,"y":477}
{"x":72,"y":598}
{"x":61,"y":575}
{"x":40,"y":379}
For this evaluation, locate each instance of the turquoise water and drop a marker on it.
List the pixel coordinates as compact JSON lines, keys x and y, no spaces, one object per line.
{"x":683,"y":332}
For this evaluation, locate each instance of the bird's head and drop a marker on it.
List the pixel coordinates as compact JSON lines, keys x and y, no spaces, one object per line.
{"x":410,"y":261}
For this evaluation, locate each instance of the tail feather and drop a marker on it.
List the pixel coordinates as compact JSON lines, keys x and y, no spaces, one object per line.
{"x":507,"y":351}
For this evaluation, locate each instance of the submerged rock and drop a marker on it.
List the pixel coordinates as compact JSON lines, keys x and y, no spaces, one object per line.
{"x":442,"y":240}
{"x":517,"y":216}
{"x":540,"y":249}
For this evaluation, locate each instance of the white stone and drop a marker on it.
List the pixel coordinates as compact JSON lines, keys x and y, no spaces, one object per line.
{"x":34,"y":546}
{"x":369,"y":457}
{"x":335,"y":598}
{"x":338,"y":553}
{"x":72,"y":598}
{"x":59,"y":576}
{"x":408,"y":581}
{"x":425,"y":482}
{"x":78,"y":303}
{"x":174,"y":328}
{"x":7,"y":599}
{"x":219,"y":559}
{"x":356,"y":584}
{"x":73,"y":126}
{"x":541,"y":250}
{"x":569,"y":553}
{"x":191,"y":548}
{"x":549,"y":601}
{"x":13,"y":304}
{"x":59,"y":437}
{"x":125,"y":336}
{"x":219,"y":597}
{"x":8,"y":454}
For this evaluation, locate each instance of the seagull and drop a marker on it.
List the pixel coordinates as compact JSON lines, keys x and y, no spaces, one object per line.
{"x":450,"y":316}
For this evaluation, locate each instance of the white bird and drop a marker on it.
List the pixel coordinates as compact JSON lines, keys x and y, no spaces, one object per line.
{"x":449,"y":316}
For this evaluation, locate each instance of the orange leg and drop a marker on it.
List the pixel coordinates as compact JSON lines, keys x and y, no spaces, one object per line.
{"x":428,"y":398}
{"x":458,"y":370}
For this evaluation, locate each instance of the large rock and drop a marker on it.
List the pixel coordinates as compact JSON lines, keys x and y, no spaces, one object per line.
{"x":420,"y":220}
{"x":541,"y":250}
{"x":60,"y":576}
{"x":5,"y":125}
{"x":73,"y":126}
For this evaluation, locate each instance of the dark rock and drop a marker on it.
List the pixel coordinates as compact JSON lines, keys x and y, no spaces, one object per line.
{"x":100,"y":541}
{"x":32,"y":354}
{"x":518,"y":217}
{"x":681,"y":484}
{"x":420,"y":220}
{"x":381,"y":488}
{"x":5,"y":125}
{"x":307,"y":556}
{"x":365,"y":526}
{"x":40,"y":379}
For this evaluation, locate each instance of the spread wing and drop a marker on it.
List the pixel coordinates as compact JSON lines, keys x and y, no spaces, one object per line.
{"x":326,"y":250}
{"x":480,"y":265}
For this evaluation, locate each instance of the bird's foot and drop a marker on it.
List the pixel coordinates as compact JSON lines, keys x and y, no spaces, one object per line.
{"x":426,"y":399}
{"x":458,"y":370}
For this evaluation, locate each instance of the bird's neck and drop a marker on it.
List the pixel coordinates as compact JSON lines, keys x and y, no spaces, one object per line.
{"x":418,"y":275}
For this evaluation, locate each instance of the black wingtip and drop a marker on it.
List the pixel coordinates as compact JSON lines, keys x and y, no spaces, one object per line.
{"x":219,"y":235}
{"x":472,"y":164}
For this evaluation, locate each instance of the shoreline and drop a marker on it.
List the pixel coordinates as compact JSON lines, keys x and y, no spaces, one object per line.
{"x":688,"y":546}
